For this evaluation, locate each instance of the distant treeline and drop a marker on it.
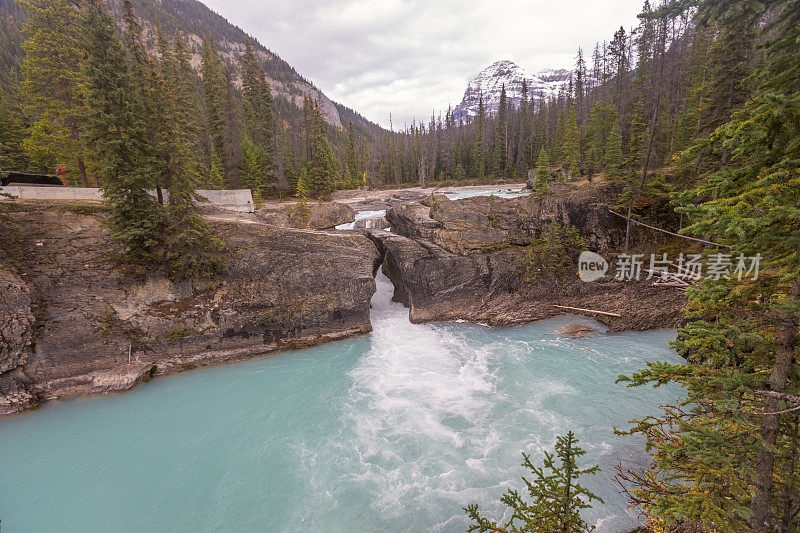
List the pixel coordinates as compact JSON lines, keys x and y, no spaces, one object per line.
{"x":630,"y":106}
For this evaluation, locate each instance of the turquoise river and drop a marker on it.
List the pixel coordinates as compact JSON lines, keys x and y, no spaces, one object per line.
{"x":395,"y":431}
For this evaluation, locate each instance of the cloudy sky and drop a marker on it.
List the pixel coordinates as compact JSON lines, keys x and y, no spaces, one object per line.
{"x":411,"y":57}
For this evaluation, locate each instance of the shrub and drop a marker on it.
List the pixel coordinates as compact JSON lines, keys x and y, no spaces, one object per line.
{"x":553,"y":253}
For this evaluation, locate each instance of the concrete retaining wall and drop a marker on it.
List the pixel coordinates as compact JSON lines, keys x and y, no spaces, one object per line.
{"x":75,"y":194}
{"x":240,"y":201}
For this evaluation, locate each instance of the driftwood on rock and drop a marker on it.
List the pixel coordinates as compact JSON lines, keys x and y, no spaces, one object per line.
{"x":587,"y":310}
{"x":679,"y":280}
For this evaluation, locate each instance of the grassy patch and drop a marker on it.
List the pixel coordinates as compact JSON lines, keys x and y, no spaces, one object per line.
{"x":181,"y":333}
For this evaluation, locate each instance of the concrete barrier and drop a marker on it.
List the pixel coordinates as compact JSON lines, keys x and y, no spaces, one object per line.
{"x":74,"y":194}
{"x":240,"y":201}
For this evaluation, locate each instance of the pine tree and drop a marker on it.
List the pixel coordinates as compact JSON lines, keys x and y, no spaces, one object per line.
{"x":149,"y":89}
{"x":191,"y":248}
{"x":479,"y":152}
{"x":353,"y":175}
{"x":543,"y":178}
{"x":182,"y":80}
{"x":115,"y":132}
{"x":259,"y":119}
{"x":302,"y":210}
{"x":500,"y":152}
{"x":580,"y":87}
{"x":12,"y":129}
{"x":290,"y":169}
{"x":52,"y":70}
{"x":572,"y":154}
{"x":214,"y":88}
{"x":556,"y":497}
{"x":254,"y":168}
{"x":612,"y":157}
{"x":322,"y":163}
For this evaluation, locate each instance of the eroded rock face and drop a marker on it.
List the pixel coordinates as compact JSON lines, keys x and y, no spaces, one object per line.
{"x":438,"y":285}
{"x":484,"y":224}
{"x":491,"y":288}
{"x":101,"y":331}
{"x":321,"y":215}
{"x":16,"y":320}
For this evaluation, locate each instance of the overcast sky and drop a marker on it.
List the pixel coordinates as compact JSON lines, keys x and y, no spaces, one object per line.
{"x":411,"y":57}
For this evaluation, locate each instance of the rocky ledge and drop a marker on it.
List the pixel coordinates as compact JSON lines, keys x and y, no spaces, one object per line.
{"x":97,"y":330}
{"x":316,"y":215}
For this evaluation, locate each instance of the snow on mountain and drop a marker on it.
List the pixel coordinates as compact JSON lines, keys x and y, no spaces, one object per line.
{"x":489,"y":83}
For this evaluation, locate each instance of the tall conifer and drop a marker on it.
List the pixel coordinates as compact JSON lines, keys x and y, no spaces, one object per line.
{"x":115,"y":134}
{"x":52,"y":70}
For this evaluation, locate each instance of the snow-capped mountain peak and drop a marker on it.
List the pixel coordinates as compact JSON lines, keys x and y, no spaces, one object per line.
{"x":490,"y":81}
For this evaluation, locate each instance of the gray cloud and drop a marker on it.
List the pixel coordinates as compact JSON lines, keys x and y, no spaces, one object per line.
{"x":411,"y":57}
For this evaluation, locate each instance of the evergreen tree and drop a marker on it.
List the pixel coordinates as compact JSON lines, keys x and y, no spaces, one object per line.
{"x":115,"y":133}
{"x":322,"y":163}
{"x":580,"y":86}
{"x":214,"y":88}
{"x":556,"y":496}
{"x":302,"y":209}
{"x":254,"y":167}
{"x":191,"y":249}
{"x":182,"y":80}
{"x":572,"y":144}
{"x":52,"y":70}
{"x":479,"y":152}
{"x":151,"y":91}
{"x":541,"y":184}
{"x":12,"y":129}
{"x":353,"y":177}
{"x":612,"y":157}
{"x":259,"y":119}
{"x":290,"y":169}
{"x":727,"y":458}
{"x":500,"y":152}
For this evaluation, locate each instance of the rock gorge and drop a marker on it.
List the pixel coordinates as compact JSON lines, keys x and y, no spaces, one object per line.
{"x":73,"y":322}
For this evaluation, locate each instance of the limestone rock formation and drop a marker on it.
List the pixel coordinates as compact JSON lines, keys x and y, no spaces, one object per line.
{"x":468,"y":260}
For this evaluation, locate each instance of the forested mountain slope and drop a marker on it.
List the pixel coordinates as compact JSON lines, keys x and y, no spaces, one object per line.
{"x":226,"y":124}
{"x":196,"y":22}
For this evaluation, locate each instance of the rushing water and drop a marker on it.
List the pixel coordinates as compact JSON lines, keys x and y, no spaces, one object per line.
{"x":395,"y":431}
{"x":471,"y":193}
{"x":369,"y":216}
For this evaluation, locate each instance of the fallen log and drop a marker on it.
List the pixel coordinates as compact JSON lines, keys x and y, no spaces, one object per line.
{"x":587,"y":310}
